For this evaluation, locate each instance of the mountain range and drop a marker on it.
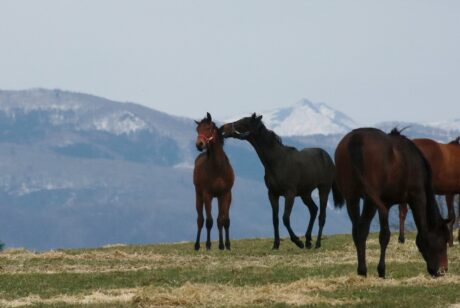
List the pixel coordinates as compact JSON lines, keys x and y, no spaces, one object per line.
{"x":79,"y":170}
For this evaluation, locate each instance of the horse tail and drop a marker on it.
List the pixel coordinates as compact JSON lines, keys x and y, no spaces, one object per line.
{"x":357,"y":161}
{"x":337,"y":195}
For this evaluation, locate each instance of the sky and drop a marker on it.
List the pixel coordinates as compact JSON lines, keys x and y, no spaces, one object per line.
{"x":373,"y":60}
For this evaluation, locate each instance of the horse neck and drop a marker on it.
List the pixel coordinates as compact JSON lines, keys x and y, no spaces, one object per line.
{"x":432,"y":211}
{"x":433,"y":215}
{"x":216,"y":153}
{"x":268,"y":151}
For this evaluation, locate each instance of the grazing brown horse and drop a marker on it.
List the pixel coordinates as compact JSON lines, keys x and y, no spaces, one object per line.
{"x":213,"y":178}
{"x":444,"y":160}
{"x":385,"y":169}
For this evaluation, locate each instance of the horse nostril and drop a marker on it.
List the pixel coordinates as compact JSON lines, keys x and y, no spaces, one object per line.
{"x":200,"y":146}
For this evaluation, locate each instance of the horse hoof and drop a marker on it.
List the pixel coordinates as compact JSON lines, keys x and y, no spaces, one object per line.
{"x":208,"y":246}
{"x":197,"y":247}
{"x":401,"y":239}
{"x":362,"y":272}
{"x":299,"y":244}
{"x":227,"y":246}
{"x":451,"y":244}
{"x":381,"y":271}
{"x":221,"y":247}
{"x":276,"y":246}
{"x":318,"y":245}
{"x":308,"y":245}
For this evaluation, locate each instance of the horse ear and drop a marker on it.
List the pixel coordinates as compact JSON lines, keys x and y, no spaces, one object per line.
{"x":259,"y":118}
{"x":254,"y":116}
{"x":197,"y":122}
{"x":208,"y":116}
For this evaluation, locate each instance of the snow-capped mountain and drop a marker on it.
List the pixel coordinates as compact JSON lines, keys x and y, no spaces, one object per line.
{"x":82,"y":123}
{"x":80,"y":170}
{"x":452,"y":126}
{"x":307,"y":118}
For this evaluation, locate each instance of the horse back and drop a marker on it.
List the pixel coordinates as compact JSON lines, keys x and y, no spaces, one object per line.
{"x":368,"y":161}
{"x":444,"y":160}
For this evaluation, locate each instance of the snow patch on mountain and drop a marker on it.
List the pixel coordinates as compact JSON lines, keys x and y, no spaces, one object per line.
{"x":451,"y":126}
{"x":120,"y":122}
{"x":306,"y":118}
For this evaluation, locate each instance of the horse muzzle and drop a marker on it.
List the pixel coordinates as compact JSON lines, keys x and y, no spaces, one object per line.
{"x":226,"y":130}
{"x":200,"y":145}
{"x":229,"y":130}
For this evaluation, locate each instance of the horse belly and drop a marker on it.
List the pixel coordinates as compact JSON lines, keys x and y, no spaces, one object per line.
{"x":220,"y":186}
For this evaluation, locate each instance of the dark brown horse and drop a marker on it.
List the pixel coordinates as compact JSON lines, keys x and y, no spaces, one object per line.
{"x":444,"y":160}
{"x":385,"y":169}
{"x":289,"y":173}
{"x":213,"y":178}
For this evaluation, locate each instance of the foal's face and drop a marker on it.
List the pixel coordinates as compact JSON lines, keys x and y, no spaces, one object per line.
{"x":207,"y":134}
{"x":242,"y":128}
{"x":434,"y":249}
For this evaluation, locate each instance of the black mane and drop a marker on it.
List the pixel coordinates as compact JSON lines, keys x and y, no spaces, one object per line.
{"x":271,"y":134}
{"x":455,"y":141}
{"x":398,"y":132}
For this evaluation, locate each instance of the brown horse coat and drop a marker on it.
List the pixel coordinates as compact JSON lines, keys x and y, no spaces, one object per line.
{"x":213,"y":177}
{"x":444,"y":160}
{"x":385,"y":169}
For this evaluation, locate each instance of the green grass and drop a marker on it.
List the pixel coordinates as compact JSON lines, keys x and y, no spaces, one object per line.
{"x":251,"y":274}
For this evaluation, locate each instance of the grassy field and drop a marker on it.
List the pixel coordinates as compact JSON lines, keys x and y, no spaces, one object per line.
{"x":250,"y":275}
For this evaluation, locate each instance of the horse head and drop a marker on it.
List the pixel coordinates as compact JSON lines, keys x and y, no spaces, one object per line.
{"x":434,"y":247}
{"x":243,"y":128}
{"x":207,"y":132}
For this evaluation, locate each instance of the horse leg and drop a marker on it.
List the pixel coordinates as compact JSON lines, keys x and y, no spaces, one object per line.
{"x":274,"y":201}
{"x":313,"y":208}
{"x":289,"y":203}
{"x":362,"y":232}
{"x":353,"y":213}
{"x":450,"y":215}
{"x":458,"y":217}
{"x":402,"y":218}
{"x":384,"y":238}
{"x":323,"y":194}
{"x":207,"y":207}
{"x":224,"y":219}
{"x":200,"y":219}
{"x":220,"y":227}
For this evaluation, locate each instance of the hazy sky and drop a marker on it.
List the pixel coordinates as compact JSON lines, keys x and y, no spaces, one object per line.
{"x":373,"y":60}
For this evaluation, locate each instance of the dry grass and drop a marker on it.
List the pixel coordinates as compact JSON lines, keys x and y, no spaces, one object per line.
{"x":190,"y":294}
{"x":250,"y":275}
{"x":96,"y":297}
{"x":112,"y":259}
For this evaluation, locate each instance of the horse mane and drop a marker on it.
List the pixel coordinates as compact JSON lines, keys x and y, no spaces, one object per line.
{"x":271,"y":136}
{"x":219,"y":133}
{"x":455,"y":141}
{"x":398,"y":132}
{"x":432,"y":206}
